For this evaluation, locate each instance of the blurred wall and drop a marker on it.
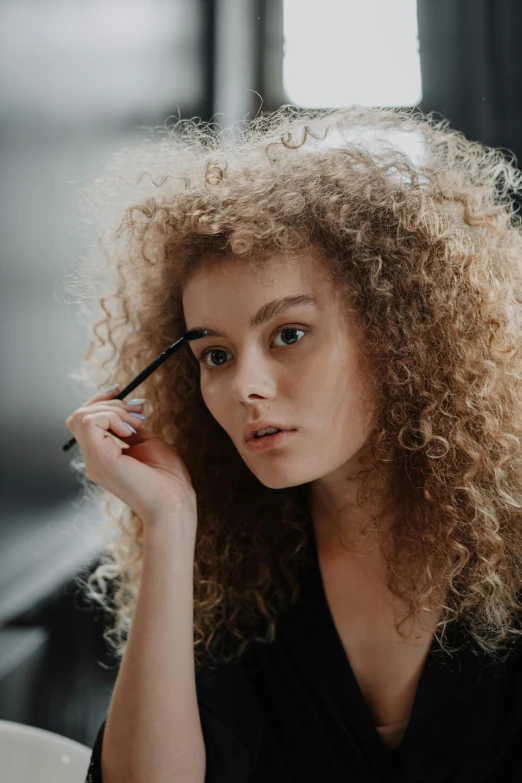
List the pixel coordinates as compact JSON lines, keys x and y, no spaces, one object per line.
{"x":77,"y":79}
{"x":471,"y":63}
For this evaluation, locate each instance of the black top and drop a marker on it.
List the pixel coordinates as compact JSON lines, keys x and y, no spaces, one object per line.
{"x":293,"y":712}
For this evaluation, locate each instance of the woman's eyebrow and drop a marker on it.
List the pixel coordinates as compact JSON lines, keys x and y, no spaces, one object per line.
{"x":267,"y":311}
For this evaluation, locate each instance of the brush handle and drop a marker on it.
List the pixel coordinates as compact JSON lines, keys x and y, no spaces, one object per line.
{"x":149,"y":369}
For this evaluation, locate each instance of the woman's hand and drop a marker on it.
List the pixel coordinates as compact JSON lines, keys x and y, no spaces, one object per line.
{"x":150,"y":477}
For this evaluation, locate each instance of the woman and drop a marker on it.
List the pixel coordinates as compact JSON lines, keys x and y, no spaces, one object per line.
{"x":339,"y":601}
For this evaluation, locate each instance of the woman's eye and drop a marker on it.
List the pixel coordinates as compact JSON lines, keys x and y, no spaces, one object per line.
{"x":212,"y":352}
{"x":287,"y":334}
{"x":288,"y":330}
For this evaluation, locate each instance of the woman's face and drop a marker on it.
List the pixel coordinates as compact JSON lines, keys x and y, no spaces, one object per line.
{"x":296,"y":367}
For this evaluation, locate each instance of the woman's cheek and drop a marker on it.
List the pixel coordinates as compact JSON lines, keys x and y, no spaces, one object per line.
{"x":211,"y":398}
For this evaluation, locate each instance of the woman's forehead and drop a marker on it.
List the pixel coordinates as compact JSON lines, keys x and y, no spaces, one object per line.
{"x":304,"y":267}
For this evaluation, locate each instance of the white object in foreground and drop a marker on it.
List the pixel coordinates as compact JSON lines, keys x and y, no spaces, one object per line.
{"x":32,"y":755}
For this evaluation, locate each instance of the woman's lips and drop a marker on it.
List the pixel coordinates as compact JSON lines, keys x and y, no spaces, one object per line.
{"x":270,"y":441}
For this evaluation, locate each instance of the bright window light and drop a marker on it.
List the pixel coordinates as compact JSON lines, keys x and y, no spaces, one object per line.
{"x":343,"y":52}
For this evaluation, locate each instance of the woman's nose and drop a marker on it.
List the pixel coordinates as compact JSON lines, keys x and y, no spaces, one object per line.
{"x":253,"y":377}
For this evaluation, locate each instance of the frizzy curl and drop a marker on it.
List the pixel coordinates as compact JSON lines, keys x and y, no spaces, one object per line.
{"x":427,"y":254}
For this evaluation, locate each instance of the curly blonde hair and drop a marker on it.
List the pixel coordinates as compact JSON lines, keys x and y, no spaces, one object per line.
{"x":427,"y":254}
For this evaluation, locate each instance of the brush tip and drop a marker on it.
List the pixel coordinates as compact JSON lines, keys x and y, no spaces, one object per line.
{"x":195,"y":334}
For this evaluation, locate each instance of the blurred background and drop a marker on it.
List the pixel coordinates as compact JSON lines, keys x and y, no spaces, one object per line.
{"x":78,"y":80}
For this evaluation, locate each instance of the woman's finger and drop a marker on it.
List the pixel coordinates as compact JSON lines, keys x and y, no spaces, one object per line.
{"x":102,"y":421}
{"x":104,"y":395}
{"x":136,"y":407}
{"x":101,"y":434}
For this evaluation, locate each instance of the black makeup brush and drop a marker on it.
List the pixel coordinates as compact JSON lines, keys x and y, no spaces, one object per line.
{"x":192,"y":334}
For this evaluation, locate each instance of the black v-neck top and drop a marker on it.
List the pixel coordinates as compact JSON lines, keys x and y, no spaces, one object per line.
{"x":293,"y":712}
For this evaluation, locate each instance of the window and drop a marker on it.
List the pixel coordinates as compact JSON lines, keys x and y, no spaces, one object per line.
{"x":341,"y":52}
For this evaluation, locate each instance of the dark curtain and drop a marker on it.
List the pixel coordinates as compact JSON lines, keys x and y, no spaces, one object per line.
{"x":471,"y":63}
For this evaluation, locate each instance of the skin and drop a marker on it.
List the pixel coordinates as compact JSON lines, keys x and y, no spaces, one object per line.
{"x":311,"y":382}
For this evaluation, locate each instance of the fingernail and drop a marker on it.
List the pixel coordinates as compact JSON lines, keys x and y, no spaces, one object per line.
{"x":111,"y":388}
{"x":136,"y":401}
{"x":138,"y":415}
{"x":129,"y":426}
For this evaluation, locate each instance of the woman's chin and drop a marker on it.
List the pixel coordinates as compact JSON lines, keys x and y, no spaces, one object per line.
{"x":280,"y":480}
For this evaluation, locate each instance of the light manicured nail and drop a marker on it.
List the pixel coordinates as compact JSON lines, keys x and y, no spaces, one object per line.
{"x":111,"y":388}
{"x":138,"y":415}
{"x":129,"y":426}
{"x":136,"y":401}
